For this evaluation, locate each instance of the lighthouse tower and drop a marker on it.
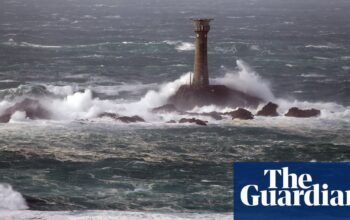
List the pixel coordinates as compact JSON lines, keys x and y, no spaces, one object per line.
{"x":200,"y":76}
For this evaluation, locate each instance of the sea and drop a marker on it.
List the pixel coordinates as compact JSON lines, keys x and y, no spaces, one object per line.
{"x":80,"y":58}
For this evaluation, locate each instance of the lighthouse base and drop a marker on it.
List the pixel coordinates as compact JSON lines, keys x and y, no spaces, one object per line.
{"x":187,"y":97}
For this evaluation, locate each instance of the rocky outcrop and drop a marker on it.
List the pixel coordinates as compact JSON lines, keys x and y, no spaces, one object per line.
{"x":124,"y":119}
{"x":187,"y":97}
{"x":165,"y":109}
{"x":193,"y":120}
{"x":171,"y":122}
{"x":269,"y":110}
{"x":241,"y":113}
{"x":132,"y":119}
{"x":299,"y":113}
{"x":32,"y":108}
{"x":214,"y":115}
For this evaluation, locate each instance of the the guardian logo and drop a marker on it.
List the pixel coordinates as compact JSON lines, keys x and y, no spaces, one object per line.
{"x":289,"y":189}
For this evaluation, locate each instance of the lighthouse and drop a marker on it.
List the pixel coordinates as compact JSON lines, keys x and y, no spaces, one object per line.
{"x":199,"y":92}
{"x":200,"y":76}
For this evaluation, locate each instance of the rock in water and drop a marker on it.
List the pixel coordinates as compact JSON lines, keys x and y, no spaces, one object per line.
{"x":124,"y":119}
{"x":188,"y":97}
{"x":32,"y":108}
{"x":241,"y":113}
{"x":132,"y":119}
{"x":193,"y":120}
{"x":299,"y":113}
{"x":268,"y":110}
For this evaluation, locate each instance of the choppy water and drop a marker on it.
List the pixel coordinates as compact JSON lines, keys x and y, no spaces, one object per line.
{"x":80,"y":58}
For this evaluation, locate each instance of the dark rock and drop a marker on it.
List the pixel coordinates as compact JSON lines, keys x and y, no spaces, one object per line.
{"x":125,"y":119}
{"x":241,"y":113}
{"x":268,"y":110}
{"x":171,"y":122}
{"x":32,"y":108}
{"x":132,"y":119}
{"x":108,"y":115}
{"x":215,"y":115}
{"x":193,"y":120}
{"x":35,"y":203}
{"x":187,"y":97}
{"x":165,"y":109}
{"x":299,"y":113}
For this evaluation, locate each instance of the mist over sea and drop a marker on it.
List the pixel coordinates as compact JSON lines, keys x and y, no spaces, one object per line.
{"x":80,"y":58}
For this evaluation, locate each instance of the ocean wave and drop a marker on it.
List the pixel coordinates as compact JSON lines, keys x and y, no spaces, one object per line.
{"x":180,"y":46}
{"x":328,"y":46}
{"x":25,"y":44}
{"x":312,"y":75}
{"x":185,"y":46}
{"x":89,"y":17}
{"x":321,"y":58}
{"x":10,"y":199}
{"x":345,"y":58}
{"x":246,"y":80}
{"x":70,"y":103}
{"x":12,"y":43}
{"x":113,"y":17}
{"x":111,"y":215}
{"x":226,"y":50}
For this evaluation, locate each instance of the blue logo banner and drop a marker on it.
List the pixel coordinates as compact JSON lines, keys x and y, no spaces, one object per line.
{"x":291,"y":191}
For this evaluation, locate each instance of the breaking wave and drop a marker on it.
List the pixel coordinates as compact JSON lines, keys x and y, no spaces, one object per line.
{"x":247,"y":81}
{"x":69,"y":103}
{"x":12,"y":43}
{"x":10,"y":199}
{"x":181,"y":46}
{"x":328,"y":46}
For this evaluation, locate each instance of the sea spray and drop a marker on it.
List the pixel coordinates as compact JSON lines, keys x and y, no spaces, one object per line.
{"x":70,"y":102}
{"x":10,"y":199}
{"x":246,"y":80}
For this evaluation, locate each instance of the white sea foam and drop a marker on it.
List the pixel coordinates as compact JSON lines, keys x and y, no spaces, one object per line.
{"x":321,"y":46}
{"x":312,"y":75}
{"x":181,"y":46}
{"x":226,"y":50}
{"x":255,"y":47}
{"x":18,"y":116}
{"x":185,"y":46}
{"x":25,"y":44}
{"x":113,"y":17}
{"x":62,"y":90}
{"x":89,"y":17}
{"x":133,"y":88}
{"x":10,"y":199}
{"x":321,"y":58}
{"x":74,"y":103}
{"x":110,"y":215}
{"x":43,"y":46}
